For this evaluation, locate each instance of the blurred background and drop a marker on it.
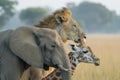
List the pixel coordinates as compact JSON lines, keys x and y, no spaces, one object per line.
{"x":100,"y":19}
{"x":94,"y":16}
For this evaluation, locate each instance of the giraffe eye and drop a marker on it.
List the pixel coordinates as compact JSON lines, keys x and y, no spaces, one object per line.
{"x":86,"y":51}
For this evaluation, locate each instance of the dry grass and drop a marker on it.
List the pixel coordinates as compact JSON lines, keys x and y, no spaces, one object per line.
{"x":107,"y":48}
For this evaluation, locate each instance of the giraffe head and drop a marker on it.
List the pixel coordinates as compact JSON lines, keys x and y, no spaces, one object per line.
{"x":83,"y":55}
{"x":89,"y":57}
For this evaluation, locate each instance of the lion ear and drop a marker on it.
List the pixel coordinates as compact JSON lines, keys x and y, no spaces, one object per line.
{"x":62,"y":16}
{"x":60,"y":19}
{"x":67,"y":11}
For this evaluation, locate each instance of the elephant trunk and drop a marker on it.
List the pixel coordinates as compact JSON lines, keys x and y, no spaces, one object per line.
{"x":62,"y":68}
{"x":66,"y":68}
{"x":62,"y":62}
{"x":66,"y":75}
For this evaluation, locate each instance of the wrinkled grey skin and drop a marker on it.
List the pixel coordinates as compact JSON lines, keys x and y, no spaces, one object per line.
{"x":30,"y":46}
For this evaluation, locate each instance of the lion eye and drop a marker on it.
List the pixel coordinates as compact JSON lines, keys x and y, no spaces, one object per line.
{"x":85,"y":37}
{"x":74,"y":25}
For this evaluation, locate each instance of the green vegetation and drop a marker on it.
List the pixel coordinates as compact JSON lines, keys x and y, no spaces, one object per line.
{"x":6,"y":10}
{"x":32,"y":15}
{"x":106,"y":47}
{"x":95,"y":17}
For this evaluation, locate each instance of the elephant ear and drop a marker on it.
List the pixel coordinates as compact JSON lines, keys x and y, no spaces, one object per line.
{"x":23,"y":44}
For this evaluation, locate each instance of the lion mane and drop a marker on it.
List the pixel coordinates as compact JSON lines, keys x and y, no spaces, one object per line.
{"x":59,"y":17}
{"x":62,"y":17}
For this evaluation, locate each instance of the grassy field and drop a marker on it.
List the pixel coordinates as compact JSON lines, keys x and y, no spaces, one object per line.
{"x":107,"y":48}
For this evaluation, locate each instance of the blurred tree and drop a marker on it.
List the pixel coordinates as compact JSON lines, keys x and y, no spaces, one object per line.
{"x":95,"y":16}
{"x":32,"y":15}
{"x":71,"y":4}
{"x":6,"y":10}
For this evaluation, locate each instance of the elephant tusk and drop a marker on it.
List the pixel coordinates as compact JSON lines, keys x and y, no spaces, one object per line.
{"x":62,"y":68}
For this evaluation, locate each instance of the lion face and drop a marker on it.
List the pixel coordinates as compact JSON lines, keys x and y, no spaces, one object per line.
{"x":62,"y":21}
{"x":68,"y":28}
{"x":71,"y":31}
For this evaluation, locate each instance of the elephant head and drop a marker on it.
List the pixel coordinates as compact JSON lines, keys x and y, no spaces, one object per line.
{"x":40,"y":48}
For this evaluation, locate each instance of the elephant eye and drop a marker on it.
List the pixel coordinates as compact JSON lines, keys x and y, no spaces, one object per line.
{"x":53,"y":46}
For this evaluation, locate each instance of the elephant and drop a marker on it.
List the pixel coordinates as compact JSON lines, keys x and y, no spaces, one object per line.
{"x":33,"y":47}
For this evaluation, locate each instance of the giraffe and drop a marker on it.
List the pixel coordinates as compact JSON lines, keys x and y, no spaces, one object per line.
{"x":76,"y":55}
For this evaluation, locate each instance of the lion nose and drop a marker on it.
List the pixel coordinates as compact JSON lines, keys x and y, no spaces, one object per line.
{"x":73,"y":47}
{"x":77,"y":41}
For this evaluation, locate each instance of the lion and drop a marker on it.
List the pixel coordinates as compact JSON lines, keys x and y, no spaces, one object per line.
{"x":62,"y":21}
{"x":67,"y":27}
{"x":59,"y":17}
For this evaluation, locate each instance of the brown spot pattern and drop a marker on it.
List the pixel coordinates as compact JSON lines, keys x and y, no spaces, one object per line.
{"x":58,"y":74}
{"x":54,"y":78}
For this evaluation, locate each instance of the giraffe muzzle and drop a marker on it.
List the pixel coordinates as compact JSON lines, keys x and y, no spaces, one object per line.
{"x":97,"y":62}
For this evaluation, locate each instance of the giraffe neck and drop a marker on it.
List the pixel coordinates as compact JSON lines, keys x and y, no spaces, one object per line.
{"x":74,"y":60}
{"x":56,"y":74}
